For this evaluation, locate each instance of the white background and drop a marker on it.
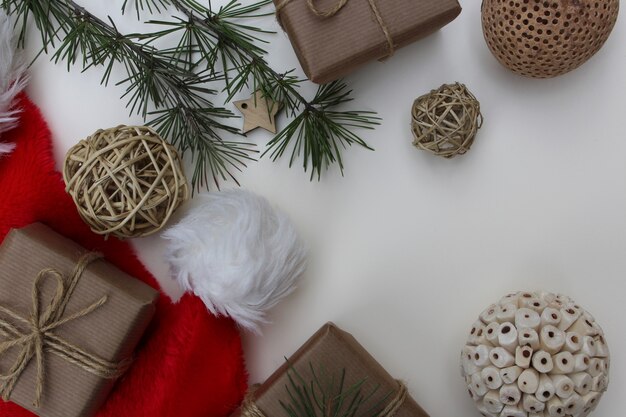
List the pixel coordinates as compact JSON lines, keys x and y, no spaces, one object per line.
{"x":408,"y":248}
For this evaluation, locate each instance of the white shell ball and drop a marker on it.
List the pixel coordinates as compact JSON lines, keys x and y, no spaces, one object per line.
{"x":237,"y":253}
{"x":535,"y":354}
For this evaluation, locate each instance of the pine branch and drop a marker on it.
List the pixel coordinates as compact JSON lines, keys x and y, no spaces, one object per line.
{"x":319,"y":134}
{"x":319,"y":131}
{"x":154,"y":80}
{"x":170,"y":85}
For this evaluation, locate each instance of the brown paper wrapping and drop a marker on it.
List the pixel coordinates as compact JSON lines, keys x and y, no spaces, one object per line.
{"x":333,"y":350}
{"x":111,"y":332}
{"x":330,"y":48}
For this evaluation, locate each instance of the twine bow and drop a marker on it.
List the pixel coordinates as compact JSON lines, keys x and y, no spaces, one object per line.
{"x":334,"y":10}
{"x":39,"y":336}
{"x":250,"y":409}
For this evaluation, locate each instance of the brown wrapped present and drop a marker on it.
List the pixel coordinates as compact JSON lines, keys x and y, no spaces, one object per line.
{"x":334,"y":350}
{"x":334,"y":37}
{"x":69,"y":323}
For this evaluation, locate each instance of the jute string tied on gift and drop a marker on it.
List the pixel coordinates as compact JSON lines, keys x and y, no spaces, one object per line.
{"x":250,"y":409}
{"x":325,"y":14}
{"x":39,"y":337}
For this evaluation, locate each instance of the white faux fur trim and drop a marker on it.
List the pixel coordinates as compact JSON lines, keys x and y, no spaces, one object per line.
{"x":237,"y":253}
{"x":12,"y":78}
{"x":6,"y":148}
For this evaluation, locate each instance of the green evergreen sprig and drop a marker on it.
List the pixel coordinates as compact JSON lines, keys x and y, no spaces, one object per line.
{"x":156,"y":85}
{"x":170,"y":84}
{"x":318,"y":131}
{"x":327,"y":395}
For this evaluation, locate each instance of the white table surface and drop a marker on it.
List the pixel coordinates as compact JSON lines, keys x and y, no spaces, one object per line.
{"x":408,"y":248}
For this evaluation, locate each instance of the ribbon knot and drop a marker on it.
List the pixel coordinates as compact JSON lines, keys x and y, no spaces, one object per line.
{"x":40,"y":336}
{"x":36,"y":331}
{"x":335,"y":9}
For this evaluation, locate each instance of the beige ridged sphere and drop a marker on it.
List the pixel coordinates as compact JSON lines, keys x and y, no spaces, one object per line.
{"x":547,"y":38}
{"x":535,"y":354}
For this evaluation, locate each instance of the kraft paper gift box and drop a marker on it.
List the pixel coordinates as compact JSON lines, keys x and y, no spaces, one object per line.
{"x":333,"y":350}
{"x":81,"y":356}
{"x":336,"y":44}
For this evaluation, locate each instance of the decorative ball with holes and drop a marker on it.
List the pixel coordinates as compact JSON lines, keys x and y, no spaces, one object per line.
{"x":535,"y":354}
{"x":547,"y":38}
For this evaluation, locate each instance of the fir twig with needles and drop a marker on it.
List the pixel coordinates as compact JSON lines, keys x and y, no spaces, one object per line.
{"x":170,"y":87}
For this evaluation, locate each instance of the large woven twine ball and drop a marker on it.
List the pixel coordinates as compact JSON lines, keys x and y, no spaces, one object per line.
{"x":445,"y":121}
{"x":547,"y":38}
{"x":125,"y":181}
{"x":536,"y":354}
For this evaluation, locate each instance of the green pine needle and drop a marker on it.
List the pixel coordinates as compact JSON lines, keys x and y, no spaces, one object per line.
{"x":152,"y":6}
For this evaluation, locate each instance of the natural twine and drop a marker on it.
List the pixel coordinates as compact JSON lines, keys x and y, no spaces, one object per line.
{"x":125,"y":181}
{"x":397,"y":401}
{"x":250,"y":409}
{"x":334,"y":10}
{"x":446,"y":120}
{"x":40,"y":337}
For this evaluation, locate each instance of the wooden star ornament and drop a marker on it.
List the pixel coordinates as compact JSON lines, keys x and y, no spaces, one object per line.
{"x":258,"y":111}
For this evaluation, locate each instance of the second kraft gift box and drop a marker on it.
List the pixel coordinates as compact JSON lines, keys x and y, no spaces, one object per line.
{"x":332,"y":350}
{"x":333,"y":38}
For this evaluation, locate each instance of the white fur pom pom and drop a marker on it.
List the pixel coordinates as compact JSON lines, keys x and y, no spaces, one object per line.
{"x":12,"y":78}
{"x":236,"y":253}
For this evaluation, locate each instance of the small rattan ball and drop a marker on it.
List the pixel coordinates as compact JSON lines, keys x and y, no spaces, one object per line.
{"x":445,"y":121}
{"x":125,"y":181}
{"x":547,"y":38}
{"x":536,"y":353}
